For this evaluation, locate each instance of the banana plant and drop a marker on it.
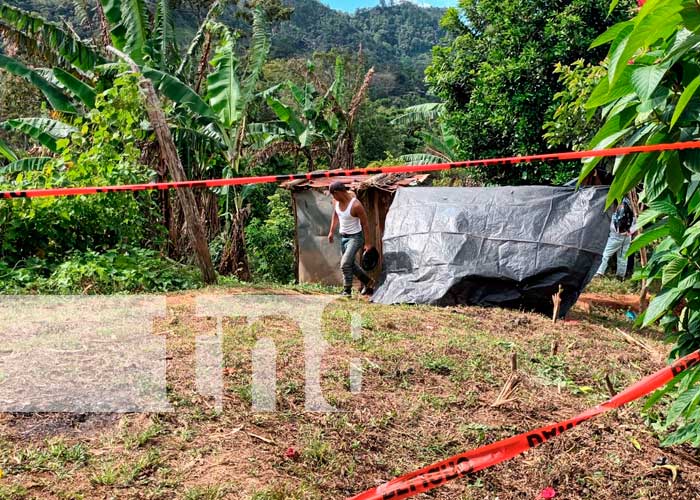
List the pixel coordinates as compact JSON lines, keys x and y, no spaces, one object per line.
{"x":320,"y":120}
{"x":79,"y":66}
{"x":60,"y":47}
{"x":439,"y":147}
{"x":217,"y":117}
{"x":305,"y":127}
{"x":420,"y":113}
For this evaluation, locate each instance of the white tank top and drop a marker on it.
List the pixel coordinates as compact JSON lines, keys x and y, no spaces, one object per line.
{"x":348,"y":223}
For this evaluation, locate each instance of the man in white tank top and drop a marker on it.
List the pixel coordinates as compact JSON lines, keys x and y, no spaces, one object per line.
{"x":351,"y":215}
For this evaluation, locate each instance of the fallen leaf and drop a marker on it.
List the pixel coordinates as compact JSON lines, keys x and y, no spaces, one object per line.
{"x":672,"y":468}
{"x":635,"y":443}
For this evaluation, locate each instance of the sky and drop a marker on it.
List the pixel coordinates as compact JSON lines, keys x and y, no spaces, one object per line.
{"x":353,"y":5}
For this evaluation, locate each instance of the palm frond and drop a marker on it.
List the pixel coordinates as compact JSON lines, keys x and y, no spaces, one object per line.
{"x":81,"y":8}
{"x":48,"y":38}
{"x":286,"y":115}
{"x":165,"y":48}
{"x":436,"y":145}
{"x":269,"y":91}
{"x":134,"y":17}
{"x":258,"y":52}
{"x":7,"y":152}
{"x":212,"y":131}
{"x":217,"y":7}
{"x":25,"y":165}
{"x":57,"y":99}
{"x":421,"y":159}
{"x":338,"y":87}
{"x":43,"y":130}
{"x":259,"y":135}
{"x":223,"y":85}
{"x":178,"y":92}
{"x":420,"y":113}
{"x":84,"y":92}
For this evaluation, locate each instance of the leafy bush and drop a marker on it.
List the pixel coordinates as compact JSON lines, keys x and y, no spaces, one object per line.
{"x":271,"y":241}
{"x":649,"y":96}
{"x":102,"y":148}
{"x":495,"y":74}
{"x":115,"y":271}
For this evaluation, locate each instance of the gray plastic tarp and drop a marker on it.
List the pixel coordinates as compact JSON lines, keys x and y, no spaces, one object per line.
{"x":499,"y":246}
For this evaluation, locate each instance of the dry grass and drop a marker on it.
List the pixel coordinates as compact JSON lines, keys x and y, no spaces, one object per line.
{"x":430,"y":376}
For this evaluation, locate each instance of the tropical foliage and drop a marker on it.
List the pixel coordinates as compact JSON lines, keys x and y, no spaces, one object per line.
{"x":397,"y":40}
{"x":271,"y":241}
{"x":495,"y":75}
{"x":649,"y":96}
{"x":103,"y":147}
{"x":216,"y":119}
{"x":321,"y":120}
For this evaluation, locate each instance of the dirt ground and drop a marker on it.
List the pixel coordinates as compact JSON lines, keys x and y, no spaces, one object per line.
{"x":429,"y":378}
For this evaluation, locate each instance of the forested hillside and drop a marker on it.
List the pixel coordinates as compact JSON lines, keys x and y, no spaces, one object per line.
{"x":396,"y":39}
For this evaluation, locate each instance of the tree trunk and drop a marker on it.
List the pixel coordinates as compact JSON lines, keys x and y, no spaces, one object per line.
{"x":234,"y":259}
{"x":309,"y":159}
{"x":105,"y":38}
{"x":344,"y":156}
{"x":193,"y":223}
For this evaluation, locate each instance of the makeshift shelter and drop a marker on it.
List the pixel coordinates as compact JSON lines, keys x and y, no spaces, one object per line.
{"x":317,"y":261}
{"x":500,"y":246}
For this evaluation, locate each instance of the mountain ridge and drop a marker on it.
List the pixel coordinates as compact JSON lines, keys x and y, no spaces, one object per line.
{"x":397,"y":39}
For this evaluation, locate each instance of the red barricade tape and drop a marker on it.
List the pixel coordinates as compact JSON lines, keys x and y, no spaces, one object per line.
{"x":239,"y":181}
{"x":439,"y":473}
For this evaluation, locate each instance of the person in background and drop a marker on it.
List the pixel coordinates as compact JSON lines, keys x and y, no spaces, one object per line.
{"x":354,"y":234}
{"x":622,"y":227}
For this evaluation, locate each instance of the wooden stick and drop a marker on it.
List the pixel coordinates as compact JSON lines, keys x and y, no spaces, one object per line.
{"x":510,"y":384}
{"x":611,"y":388}
{"x":629,"y":338}
{"x":556,"y":299}
{"x":261,"y":438}
{"x":555,"y":348}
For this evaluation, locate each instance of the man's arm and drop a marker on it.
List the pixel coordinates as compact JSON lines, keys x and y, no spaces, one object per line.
{"x":359,"y":211}
{"x":334,"y":223}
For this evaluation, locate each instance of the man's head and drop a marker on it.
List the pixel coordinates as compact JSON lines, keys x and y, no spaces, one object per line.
{"x":338,"y":190}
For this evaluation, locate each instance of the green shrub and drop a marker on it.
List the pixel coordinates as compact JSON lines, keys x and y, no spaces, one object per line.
{"x":104,"y":148}
{"x":114,"y":271}
{"x":270,"y":242}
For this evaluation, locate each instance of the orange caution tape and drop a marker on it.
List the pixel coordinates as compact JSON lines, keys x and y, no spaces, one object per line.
{"x":240,"y":181}
{"x":439,"y":473}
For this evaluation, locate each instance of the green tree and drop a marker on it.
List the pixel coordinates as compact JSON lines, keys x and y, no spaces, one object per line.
{"x":649,"y":96}
{"x":271,"y":241}
{"x":495,"y":74}
{"x":572,"y":124}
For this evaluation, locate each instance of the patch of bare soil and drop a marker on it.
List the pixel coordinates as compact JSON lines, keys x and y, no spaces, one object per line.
{"x":430,"y":377}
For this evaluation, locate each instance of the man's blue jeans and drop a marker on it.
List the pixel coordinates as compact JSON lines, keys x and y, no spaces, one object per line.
{"x":350,"y":245}
{"x":620,"y":243}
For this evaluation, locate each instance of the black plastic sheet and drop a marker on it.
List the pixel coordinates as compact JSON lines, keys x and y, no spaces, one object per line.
{"x":501,"y":246}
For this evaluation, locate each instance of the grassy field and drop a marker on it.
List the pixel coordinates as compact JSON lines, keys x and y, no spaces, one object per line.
{"x":430,"y":376}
